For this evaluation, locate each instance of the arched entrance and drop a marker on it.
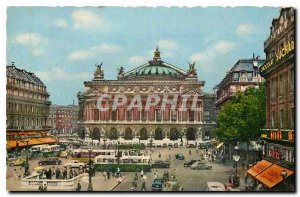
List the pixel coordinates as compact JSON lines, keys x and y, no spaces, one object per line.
{"x":158,"y":134}
{"x":113,"y":135}
{"x":191,"y":134}
{"x":143,"y":134}
{"x":128,"y":134}
{"x":96,"y":134}
{"x":174,"y":134}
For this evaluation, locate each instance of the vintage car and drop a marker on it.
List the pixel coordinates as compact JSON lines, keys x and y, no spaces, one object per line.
{"x":63,"y":154}
{"x":160,"y":164}
{"x":191,"y":146}
{"x":157,"y":185}
{"x":51,"y":161}
{"x":179,"y":156}
{"x":171,"y":186}
{"x":74,"y":164}
{"x":188,"y":164}
{"x":18,"y":162}
{"x":38,"y":169}
{"x":200,"y":165}
{"x":215,"y":186}
{"x":176,"y":145}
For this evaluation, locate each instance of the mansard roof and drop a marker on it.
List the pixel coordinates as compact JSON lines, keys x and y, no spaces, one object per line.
{"x":23,"y":75}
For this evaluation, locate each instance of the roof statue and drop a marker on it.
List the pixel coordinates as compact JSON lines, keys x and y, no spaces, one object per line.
{"x":192,"y":69}
{"x":99,"y":73}
{"x":121,"y":70}
{"x":156,"y":54}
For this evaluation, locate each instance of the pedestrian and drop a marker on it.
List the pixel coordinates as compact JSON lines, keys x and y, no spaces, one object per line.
{"x":246,"y":177}
{"x":174,"y":174}
{"x":230,"y":178}
{"x":159,"y":155}
{"x":155,"y":174}
{"x":136,"y":177}
{"x":190,"y":152}
{"x":143,"y":188}
{"x":134,"y":185}
{"x":40,"y":188}
{"x":105,"y":175}
{"x":108,"y":174}
{"x":45,"y":187}
{"x":167,"y":176}
{"x":142,"y":173}
{"x":78,"y":187}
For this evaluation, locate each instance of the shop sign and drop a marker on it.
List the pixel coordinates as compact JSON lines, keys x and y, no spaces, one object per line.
{"x":279,"y":54}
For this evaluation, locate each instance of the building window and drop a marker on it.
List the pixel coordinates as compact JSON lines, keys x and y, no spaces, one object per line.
{"x":235,"y":77}
{"x":158,"y":114}
{"x":282,"y":118}
{"x":292,"y":117}
{"x":207,"y":116}
{"x":191,"y":115}
{"x":273,"y":89}
{"x":282,"y":85}
{"x":292,"y":80}
{"x":173,"y":115}
{"x":144,"y":115}
{"x":243,"y":77}
{"x":129,"y":115}
{"x":272,"y":118}
{"x":114,"y":115}
{"x":250,"y":76}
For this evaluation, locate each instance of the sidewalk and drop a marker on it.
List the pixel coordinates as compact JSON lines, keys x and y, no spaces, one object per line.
{"x":99,"y":184}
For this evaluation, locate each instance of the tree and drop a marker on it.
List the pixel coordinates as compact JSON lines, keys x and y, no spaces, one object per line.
{"x":243,"y":117}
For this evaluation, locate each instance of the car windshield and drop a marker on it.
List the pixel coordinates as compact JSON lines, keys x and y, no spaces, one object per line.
{"x":157,"y":181}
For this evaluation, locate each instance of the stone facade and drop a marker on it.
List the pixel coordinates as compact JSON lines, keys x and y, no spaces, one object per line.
{"x":244,"y":74}
{"x":279,"y":72}
{"x":155,"y":77}
{"x":27,"y":104}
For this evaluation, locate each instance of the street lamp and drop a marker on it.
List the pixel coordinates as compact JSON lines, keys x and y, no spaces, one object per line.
{"x":90,"y":186}
{"x":236,"y":158}
{"x":27,"y":163}
{"x":283,"y":174}
{"x":151,"y":141}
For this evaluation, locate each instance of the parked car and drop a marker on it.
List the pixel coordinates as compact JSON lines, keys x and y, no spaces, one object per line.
{"x":200,"y":165}
{"x":74,"y":164}
{"x":18,"y":162}
{"x":215,"y":186}
{"x":160,"y":164}
{"x":170,"y":186}
{"x":170,"y":145}
{"x":157,"y":185}
{"x":176,"y":145}
{"x":164,"y":145}
{"x":51,"y":161}
{"x":63,"y":154}
{"x":191,"y":146}
{"x":38,"y":169}
{"x":188,"y":164}
{"x":179,"y":156}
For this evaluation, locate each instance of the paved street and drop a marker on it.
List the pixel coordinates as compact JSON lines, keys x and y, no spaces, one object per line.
{"x":190,"y":180}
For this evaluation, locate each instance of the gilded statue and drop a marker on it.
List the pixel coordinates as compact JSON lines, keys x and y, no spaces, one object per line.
{"x":192,"y":69}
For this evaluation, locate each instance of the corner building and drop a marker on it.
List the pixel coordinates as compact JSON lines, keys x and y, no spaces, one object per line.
{"x":278,"y":166}
{"x":155,"y":77}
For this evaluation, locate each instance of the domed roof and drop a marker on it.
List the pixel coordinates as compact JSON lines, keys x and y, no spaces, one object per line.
{"x":156,"y":67}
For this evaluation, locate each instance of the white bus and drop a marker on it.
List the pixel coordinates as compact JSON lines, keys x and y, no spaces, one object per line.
{"x":127,"y":161}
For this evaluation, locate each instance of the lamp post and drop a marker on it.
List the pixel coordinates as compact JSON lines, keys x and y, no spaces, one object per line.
{"x":151,"y":141}
{"x":283,"y":174}
{"x":236,"y":158}
{"x":90,"y":186}
{"x":26,"y":163}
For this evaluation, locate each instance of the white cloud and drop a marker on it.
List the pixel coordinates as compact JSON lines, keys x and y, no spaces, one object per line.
{"x":219,"y":48}
{"x":83,"y":19}
{"x":168,"y":48}
{"x":59,"y":74}
{"x":33,"y":41}
{"x":245,"y":29}
{"x":96,"y":50}
{"x":61,"y":23}
{"x":137,"y":60}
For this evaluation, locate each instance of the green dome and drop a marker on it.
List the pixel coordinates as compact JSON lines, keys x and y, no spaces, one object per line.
{"x":156,"y":70}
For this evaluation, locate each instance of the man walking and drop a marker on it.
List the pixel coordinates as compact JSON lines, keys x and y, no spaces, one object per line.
{"x":143,"y":188}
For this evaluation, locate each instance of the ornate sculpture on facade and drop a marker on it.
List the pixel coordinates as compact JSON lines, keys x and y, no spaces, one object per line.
{"x":99,"y":73}
{"x":192,"y":69}
{"x":121,"y":71}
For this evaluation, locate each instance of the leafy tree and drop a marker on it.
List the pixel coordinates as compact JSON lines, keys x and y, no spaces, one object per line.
{"x":243,"y":117}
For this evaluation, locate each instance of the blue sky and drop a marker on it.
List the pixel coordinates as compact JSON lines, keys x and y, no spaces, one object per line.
{"x":62,"y":44}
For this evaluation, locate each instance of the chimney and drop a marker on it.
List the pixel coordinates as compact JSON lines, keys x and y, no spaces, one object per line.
{"x":12,"y":63}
